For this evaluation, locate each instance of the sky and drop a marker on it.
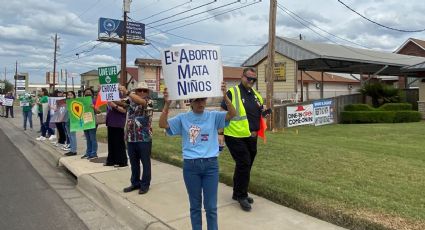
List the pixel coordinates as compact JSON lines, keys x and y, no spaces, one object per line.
{"x":240,"y":28}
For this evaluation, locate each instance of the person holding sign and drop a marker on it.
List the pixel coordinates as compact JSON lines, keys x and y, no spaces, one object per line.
{"x":198,"y":129}
{"x":90,"y":134}
{"x":9,"y":104}
{"x":241,"y":134}
{"x":139,"y":135}
{"x":26,"y":102}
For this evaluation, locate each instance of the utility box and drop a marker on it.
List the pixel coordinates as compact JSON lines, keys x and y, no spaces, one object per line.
{"x":158,"y":101}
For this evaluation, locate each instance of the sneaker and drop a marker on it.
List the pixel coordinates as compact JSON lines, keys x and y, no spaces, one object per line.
{"x":92,"y":157}
{"x":84,"y":156}
{"x":40,"y":138}
{"x":70,"y":154}
{"x":66,"y":149}
{"x":52,"y":137}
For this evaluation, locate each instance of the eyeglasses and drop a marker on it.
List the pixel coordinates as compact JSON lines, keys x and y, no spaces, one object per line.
{"x":253,"y":79}
{"x":142,"y":90}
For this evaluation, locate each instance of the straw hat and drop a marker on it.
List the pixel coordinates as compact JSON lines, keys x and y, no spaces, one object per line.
{"x":142,"y":85}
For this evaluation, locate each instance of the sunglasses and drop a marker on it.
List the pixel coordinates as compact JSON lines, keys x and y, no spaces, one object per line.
{"x":142,"y":90}
{"x":253,"y":79}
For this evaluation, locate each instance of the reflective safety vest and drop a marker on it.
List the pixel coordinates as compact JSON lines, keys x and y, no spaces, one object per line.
{"x":239,"y":126}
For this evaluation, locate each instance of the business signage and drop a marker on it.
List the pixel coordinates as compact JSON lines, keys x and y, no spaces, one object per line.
{"x":112,"y":30}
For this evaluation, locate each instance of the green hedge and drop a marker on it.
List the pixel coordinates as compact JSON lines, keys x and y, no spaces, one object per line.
{"x":395,"y":107}
{"x":355,"y":117}
{"x":358,"y":107}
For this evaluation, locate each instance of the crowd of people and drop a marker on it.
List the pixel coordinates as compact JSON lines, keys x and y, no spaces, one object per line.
{"x":203,"y":133}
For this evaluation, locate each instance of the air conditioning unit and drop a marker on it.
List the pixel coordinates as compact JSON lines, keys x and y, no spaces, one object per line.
{"x":350,"y":86}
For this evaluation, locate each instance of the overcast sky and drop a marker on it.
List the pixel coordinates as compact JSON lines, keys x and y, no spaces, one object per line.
{"x":28,"y":26}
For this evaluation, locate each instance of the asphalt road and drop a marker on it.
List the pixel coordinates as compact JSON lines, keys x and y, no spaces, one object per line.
{"x":26,"y":199}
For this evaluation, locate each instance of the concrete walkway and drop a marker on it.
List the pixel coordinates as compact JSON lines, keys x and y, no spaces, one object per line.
{"x":166,"y":205}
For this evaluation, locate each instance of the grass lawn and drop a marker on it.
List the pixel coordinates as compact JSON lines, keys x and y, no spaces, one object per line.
{"x":369,"y":176}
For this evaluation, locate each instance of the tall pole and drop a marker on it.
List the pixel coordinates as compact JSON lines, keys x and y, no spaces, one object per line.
{"x":66,"y":80}
{"x":16,"y":76}
{"x":124,"y":47}
{"x":4,"y":74}
{"x":270,"y":64}
{"x":54,"y":62}
{"x":72,"y":81}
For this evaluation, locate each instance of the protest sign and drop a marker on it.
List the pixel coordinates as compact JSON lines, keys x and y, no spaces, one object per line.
{"x":192,"y":71}
{"x":108,"y":79}
{"x":60,"y":110}
{"x":300,"y":115}
{"x":81,"y":114}
{"x":8,"y":102}
{"x":323,"y":112}
{"x":24,"y":103}
{"x":52,"y":103}
{"x":2,"y":98}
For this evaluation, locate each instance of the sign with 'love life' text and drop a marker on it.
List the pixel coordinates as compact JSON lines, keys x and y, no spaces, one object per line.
{"x":192,"y":71}
{"x":108,"y":79}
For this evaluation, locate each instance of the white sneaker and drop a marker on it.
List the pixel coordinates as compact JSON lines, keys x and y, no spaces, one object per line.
{"x":66,"y":149}
{"x":52,"y":137}
{"x":40,"y":138}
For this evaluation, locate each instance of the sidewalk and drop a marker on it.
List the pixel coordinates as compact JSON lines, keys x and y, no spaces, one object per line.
{"x":166,"y":205}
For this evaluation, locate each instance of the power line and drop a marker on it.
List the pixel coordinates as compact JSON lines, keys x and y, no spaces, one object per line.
{"x":172,"y":8}
{"x":183,"y":12}
{"x":287,"y":11}
{"x":193,"y":15}
{"x":204,"y":19}
{"x":379,"y":24}
{"x":346,"y":47}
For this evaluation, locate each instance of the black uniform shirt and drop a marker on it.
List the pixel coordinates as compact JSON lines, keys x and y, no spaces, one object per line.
{"x":252,"y":106}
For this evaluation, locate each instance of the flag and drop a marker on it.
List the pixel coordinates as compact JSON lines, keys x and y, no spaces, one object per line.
{"x":99,"y":101}
{"x":263,"y":128}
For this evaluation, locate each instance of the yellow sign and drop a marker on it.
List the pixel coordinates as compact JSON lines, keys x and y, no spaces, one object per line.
{"x":280,"y":71}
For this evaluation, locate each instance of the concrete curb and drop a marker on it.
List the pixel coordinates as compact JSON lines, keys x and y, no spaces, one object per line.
{"x":117,"y":206}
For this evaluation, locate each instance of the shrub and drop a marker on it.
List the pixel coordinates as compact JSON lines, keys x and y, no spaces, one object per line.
{"x":356,"y":117}
{"x":395,"y":107}
{"x":358,"y":107}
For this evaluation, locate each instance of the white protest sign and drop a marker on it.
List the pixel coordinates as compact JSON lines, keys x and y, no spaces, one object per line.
{"x":24,"y":103}
{"x":8,"y":102}
{"x":192,"y":71}
{"x":2,"y":98}
{"x":108,"y":78}
{"x":300,"y":115}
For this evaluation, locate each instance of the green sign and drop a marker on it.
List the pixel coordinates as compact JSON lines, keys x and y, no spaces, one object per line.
{"x":81,"y":113}
{"x":108,"y":75}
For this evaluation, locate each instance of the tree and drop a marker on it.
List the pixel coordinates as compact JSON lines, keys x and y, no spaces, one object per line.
{"x":381,"y":93}
{"x":8,"y":86}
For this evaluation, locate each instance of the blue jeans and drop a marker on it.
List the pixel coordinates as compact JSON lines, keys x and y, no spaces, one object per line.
{"x":91,"y":142}
{"x":140,"y":152}
{"x":45,"y":129}
{"x":72,"y":137}
{"x":27,"y":115}
{"x":201,"y":177}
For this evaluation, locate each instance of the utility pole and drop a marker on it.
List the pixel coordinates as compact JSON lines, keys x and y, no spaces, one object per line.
{"x":123,"y":78}
{"x":270,"y":64}
{"x":16,"y":76}
{"x":66,"y":80}
{"x":4,"y":74}
{"x":54,"y":63}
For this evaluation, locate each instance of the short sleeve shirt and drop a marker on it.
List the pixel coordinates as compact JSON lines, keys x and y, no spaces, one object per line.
{"x":199,"y":132}
{"x":139,"y":122}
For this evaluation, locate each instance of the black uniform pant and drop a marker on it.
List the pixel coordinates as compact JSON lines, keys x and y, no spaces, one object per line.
{"x":243,"y":151}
